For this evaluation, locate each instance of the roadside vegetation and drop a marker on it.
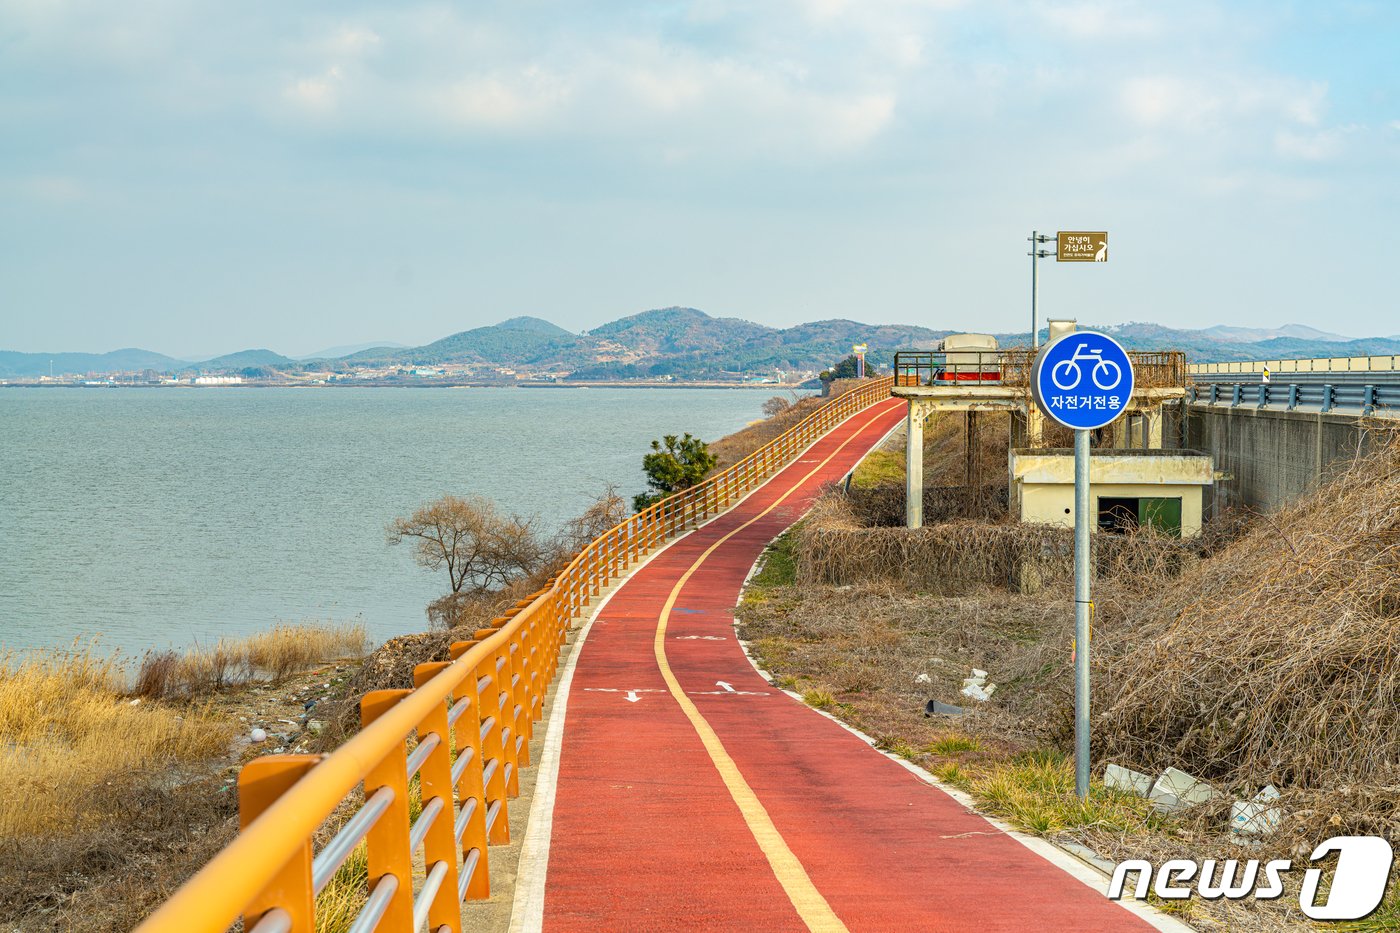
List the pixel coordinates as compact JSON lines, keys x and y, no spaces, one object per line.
{"x":116,"y":784}
{"x":1260,"y":653}
{"x":275,"y":654}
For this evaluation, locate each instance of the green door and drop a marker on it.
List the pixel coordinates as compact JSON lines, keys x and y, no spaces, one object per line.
{"x":1162,"y":514}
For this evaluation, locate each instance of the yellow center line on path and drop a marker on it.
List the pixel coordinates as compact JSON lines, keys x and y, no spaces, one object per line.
{"x":811,"y":906}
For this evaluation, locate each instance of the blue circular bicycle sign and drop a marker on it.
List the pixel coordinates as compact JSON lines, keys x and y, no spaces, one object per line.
{"x":1083,"y":380}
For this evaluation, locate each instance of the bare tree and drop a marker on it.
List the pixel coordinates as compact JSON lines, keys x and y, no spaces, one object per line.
{"x":776,"y":406}
{"x":482,"y":549}
{"x":607,"y":510}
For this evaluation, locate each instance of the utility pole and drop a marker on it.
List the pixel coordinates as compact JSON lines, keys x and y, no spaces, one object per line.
{"x":1036,"y":254}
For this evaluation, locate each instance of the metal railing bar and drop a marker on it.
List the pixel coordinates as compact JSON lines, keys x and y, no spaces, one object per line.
{"x":376,"y":905}
{"x":459,"y":767}
{"x":509,"y":770}
{"x":458,"y":708}
{"x":483,"y":682}
{"x":424,"y":901}
{"x":489,"y":771}
{"x":464,"y":817}
{"x":487,"y":726}
{"x":419,"y":830}
{"x":464,"y":879}
{"x":421,"y":753}
{"x":335,"y":852}
{"x":275,"y":920}
{"x":493,"y":810}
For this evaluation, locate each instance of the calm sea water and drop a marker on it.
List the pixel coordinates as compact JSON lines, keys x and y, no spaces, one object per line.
{"x":162,"y":517}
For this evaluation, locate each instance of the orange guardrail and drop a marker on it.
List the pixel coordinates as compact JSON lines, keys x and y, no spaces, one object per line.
{"x":472,"y":718}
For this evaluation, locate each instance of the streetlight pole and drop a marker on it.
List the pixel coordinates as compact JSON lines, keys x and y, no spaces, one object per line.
{"x":1036,"y":255}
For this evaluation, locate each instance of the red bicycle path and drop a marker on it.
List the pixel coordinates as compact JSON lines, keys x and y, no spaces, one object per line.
{"x":646,"y":834}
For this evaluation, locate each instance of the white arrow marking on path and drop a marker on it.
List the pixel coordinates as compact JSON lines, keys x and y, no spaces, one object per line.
{"x":727,"y":693}
{"x":700,"y":638}
{"x":631,"y":694}
{"x":727,"y":688}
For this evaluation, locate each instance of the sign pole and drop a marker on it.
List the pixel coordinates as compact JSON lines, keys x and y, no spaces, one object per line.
{"x":1083,"y":380}
{"x":1082,"y":607}
{"x":1035,"y":291}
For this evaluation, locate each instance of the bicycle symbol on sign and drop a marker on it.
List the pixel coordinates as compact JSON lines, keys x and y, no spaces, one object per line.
{"x":1071,"y":367}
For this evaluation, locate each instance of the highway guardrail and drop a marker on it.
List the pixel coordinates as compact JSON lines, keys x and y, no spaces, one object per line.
{"x":1365,"y":399}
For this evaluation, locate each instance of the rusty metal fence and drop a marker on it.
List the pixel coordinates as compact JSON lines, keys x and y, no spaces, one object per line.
{"x":456,"y":743}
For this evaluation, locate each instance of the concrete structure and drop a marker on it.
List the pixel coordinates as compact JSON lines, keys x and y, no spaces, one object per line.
{"x":1126,"y":487}
{"x":933,"y":381}
{"x":1267,"y":457}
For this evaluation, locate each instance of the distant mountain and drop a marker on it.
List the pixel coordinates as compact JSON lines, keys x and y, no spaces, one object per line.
{"x":335,"y":353}
{"x":686,"y":343}
{"x":520,"y":340}
{"x":1201,"y":347}
{"x":1255,"y":334}
{"x":244,"y":359}
{"x":13,"y":363}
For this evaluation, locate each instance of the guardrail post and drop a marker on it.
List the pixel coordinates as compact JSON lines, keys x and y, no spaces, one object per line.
{"x":1292,"y":396}
{"x":525,"y":700}
{"x":1263,"y":394}
{"x":387,"y":840}
{"x":1328,"y":397}
{"x":471,"y":790}
{"x":1236,"y":395}
{"x":493,"y":749}
{"x":504,"y":711}
{"x":1368,"y":400}
{"x":1214,"y":392}
{"x":435,"y":782}
{"x":260,"y":783}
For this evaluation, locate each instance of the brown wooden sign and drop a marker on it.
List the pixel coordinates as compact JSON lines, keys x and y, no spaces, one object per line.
{"x":1082,"y":246}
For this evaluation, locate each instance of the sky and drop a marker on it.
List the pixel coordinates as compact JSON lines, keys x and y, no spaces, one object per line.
{"x":196,"y":177}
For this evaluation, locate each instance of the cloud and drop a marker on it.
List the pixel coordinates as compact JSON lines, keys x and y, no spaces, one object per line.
{"x":1207,"y":102}
{"x":522,"y":98}
{"x":1312,"y":147}
{"x":1100,"y":20}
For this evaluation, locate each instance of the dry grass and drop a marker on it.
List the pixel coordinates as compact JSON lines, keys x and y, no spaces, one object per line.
{"x":90,"y":781}
{"x":965,"y":556}
{"x":67,"y":731}
{"x":735,"y":447}
{"x":1278,"y":661}
{"x":277,"y":653}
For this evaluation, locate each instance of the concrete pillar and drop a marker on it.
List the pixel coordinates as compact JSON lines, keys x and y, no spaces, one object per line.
{"x":970,"y":452}
{"x":914,"y":467}
{"x":1035,"y":427}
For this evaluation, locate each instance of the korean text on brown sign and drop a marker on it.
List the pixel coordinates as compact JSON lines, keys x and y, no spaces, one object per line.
{"x":1082,"y":246}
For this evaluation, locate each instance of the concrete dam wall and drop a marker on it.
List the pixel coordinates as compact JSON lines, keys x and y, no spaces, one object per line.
{"x":1270,"y":457}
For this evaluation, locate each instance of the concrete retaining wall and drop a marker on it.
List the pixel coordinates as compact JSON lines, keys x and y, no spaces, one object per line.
{"x":1271,"y":457}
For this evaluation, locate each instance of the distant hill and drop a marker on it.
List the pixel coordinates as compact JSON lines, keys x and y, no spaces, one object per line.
{"x":1255,"y":334}
{"x":686,"y":343}
{"x":13,"y":363}
{"x":244,"y":359}
{"x":518,"y":341}
{"x":334,"y":353}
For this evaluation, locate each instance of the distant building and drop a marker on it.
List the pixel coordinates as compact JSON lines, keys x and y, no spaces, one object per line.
{"x":218,"y":380}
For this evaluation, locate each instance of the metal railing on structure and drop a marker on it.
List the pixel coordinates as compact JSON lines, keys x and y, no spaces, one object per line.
{"x":1342,"y":398}
{"x":1012,"y":367}
{"x":472,"y":718}
{"x":1334,"y":364}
